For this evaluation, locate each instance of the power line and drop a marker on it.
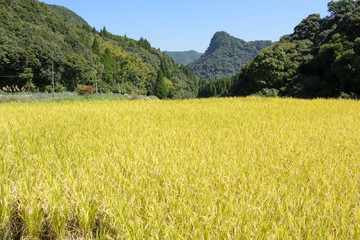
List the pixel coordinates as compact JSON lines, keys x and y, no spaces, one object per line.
{"x":14,"y":76}
{"x":19,"y":61}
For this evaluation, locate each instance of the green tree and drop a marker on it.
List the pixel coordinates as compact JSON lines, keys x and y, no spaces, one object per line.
{"x":95,"y":47}
{"x":161,"y":90}
{"x":109,"y":64}
{"x":103,"y":32}
{"x":27,"y":76}
{"x":308,"y":28}
{"x":338,"y":8}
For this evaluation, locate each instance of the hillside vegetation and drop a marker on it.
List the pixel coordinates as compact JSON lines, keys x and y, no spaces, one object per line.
{"x":321,"y":58}
{"x":225,"y":56}
{"x":33,"y":36}
{"x":68,"y":15}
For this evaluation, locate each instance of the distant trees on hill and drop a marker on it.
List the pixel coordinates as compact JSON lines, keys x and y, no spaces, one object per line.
{"x":225,"y":56}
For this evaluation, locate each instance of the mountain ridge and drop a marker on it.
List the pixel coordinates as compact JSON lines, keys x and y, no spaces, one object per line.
{"x":184,"y":57}
{"x":68,"y":14}
{"x":225,"y":56}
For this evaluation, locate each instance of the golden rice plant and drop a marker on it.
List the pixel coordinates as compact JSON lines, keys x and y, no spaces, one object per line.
{"x":238,"y":168}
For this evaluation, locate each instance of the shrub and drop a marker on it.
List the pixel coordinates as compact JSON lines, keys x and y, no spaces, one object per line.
{"x":344,"y":95}
{"x":30,"y":86}
{"x":84,"y":89}
{"x":266,"y":92}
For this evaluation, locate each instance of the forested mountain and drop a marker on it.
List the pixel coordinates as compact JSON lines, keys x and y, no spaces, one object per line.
{"x":184,"y":58}
{"x":35,"y":36}
{"x":321,"y":58}
{"x":68,"y":15}
{"x":225,"y":56}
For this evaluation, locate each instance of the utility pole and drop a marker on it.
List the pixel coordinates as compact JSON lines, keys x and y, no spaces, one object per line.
{"x":52,"y":77}
{"x":117,"y":80}
{"x":96,"y":88}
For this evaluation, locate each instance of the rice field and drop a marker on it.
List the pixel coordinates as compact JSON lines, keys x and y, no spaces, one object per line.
{"x":240,"y":168}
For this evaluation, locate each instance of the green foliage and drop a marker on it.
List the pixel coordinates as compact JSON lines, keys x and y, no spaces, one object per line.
{"x":68,"y":15}
{"x":161,"y":90}
{"x":215,"y":88}
{"x":272,"y":68}
{"x":143,"y":43}
{"x":33,"y":36}
{"x":266,"y":92}
{"x":320,"y":59}
{"x":104,"y":32}
{"x":308,"y":28}
{"x":225,"y":56}
{"x":30,"y":86}
{"x":95,"y":47}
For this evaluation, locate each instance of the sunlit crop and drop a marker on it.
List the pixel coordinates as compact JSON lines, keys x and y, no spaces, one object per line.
{"x":242,"y":168}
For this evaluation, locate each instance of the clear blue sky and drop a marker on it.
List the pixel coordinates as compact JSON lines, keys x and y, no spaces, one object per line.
{"x":179,"y":25}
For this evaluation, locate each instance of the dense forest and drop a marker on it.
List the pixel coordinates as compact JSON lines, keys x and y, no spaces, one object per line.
{"x":215,"y":88}
{"x":321,"y":58}
{"x":37,"y":40}
{"x":225,"y":56}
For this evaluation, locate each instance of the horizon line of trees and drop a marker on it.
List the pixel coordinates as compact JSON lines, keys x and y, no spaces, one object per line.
{"x":321,"y":58}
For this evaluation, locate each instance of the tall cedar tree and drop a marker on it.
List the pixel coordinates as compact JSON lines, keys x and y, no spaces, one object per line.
{"x":161,"y":90}
{"x":95,"y":47}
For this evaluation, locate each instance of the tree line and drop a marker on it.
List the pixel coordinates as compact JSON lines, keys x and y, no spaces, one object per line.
{"x":321,"y":58}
